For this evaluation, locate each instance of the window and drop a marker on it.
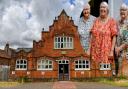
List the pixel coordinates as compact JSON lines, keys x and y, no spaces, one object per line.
{"x":44,"y":64}
{"x":21,"y":64}
{"x":105,"y":66}
{"x":63,"y":42}
{"x":82,"y":65}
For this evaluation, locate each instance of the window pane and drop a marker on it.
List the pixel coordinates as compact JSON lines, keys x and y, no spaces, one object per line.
{"x":46,"y":61}
{"x":87,"y":66}
{"x":21,"y":61}
{"x":17,"y":66}
{"x":18,"y":62}
{"x":76,"y":66}
{"x":58,"y":39}
{"x":70,"y":39}
{"x":62,"y":45}
{"x":104,"y":66}
{"x":83,"y":66}
{"x":24,"y":61}
{"x":67,"y":39}
{"x":46,"y":66}
{"x":80,"y":66}
{"x":62,"y":39}
{"x":76,"y":62}
{"x":83,"y":61}
{"x":50,"y":66}
{"x":87,"y":62}
{"x":79,"y":61}
{"x":24,"y":66}
{"x":64,"y":61}
{"x":50,"y":62}
{"x":43,"y":66}
{"x":39,"y":67}
{"x":21,"y":66}
{"x":58,"y":45}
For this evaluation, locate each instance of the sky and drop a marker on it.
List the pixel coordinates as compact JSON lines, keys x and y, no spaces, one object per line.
{"x":21,"y":21}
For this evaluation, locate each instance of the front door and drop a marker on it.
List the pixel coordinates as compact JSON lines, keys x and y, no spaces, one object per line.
{"x":63,"y":71}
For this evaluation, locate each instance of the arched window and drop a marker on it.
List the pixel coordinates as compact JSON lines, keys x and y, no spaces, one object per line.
{"x":21,"y":64}
{"x":63,"y":42}
{"x":44,"y":64}
{"x":82,"y":64}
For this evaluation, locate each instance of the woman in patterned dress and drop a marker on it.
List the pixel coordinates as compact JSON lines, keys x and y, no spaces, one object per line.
{"x":122,"y":38}
{"x":103,"y":34}
{"x":84,"y":27}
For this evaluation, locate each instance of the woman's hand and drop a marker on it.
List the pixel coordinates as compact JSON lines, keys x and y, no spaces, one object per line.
{"x":111,"y":54}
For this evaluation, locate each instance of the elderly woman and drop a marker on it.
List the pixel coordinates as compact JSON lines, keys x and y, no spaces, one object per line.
{"x":103,"y":33}
{"x":122,"y":39}
{"x":84,"y":27}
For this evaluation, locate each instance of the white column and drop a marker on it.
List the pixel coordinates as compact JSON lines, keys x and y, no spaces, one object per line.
{"x":111,"y":9}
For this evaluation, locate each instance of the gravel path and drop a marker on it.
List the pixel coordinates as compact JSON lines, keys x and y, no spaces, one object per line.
{"x":65,"y":85}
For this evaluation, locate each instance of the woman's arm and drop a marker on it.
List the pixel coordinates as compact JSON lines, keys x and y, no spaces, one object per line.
{"x":113,"y":46}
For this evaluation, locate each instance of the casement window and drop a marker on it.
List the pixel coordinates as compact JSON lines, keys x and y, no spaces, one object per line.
{"x":105,"y":66}
{"x":44,"y":64}
{"x":21,"y":64}
{"x":63,"y":42}
{"x":82,"y":65}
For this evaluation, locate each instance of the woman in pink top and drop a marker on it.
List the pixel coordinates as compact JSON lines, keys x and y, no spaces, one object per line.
{"x":103,"y":33}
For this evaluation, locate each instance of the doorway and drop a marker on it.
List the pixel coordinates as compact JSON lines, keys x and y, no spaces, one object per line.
{"x":63,"y":70}
{"x":95,"y":5}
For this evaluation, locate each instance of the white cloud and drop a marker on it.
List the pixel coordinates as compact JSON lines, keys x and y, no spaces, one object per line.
{"x":21,"y":21}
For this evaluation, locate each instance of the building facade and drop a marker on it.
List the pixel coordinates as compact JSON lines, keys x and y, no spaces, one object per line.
{"x":58,"y":55}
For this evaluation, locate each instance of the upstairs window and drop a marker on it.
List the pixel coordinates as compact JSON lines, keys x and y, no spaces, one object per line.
{"x":63,"y":42}
{"x":21,"y":64}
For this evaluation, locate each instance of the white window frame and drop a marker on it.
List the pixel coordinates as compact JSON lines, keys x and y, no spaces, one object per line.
{"x":19,"y":64}
{"x":42,"y":64}
{"x":105,"y":66}
{"x":82,"y":64}
{"x":68,"y":44}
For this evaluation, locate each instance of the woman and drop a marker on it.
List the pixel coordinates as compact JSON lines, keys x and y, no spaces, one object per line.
{"x":84,"y":26}
{"x":122,"y":38}
{"x":103,"y":33}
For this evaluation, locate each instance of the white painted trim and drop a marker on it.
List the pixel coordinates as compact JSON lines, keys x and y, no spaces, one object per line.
{"x":82,"y":69}
{"x":20,"y":68}
{"x":45,"y":69}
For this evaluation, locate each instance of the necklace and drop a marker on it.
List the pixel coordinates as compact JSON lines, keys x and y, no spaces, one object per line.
{"x":104,"y":20}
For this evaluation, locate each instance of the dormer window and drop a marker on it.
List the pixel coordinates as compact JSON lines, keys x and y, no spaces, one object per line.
{"x":63,"y":42}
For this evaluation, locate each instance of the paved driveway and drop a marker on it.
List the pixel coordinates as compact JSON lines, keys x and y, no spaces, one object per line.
{"x":65,"y":85}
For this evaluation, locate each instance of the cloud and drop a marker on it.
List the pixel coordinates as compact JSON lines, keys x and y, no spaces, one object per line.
{"x":21,"y":21}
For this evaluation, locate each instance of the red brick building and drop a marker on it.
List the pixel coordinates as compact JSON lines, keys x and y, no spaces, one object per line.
{"x":58,"y":55}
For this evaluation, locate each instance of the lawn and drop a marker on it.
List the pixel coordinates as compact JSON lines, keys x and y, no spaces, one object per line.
{"x":121,"y":83}
{"x":9,"y":84}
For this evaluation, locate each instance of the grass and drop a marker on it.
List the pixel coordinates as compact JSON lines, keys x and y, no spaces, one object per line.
{"x":121,"y":82}
{"x":9,"y":84}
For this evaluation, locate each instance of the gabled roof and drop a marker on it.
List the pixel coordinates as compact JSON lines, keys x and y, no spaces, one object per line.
{"x":3,"y":54}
